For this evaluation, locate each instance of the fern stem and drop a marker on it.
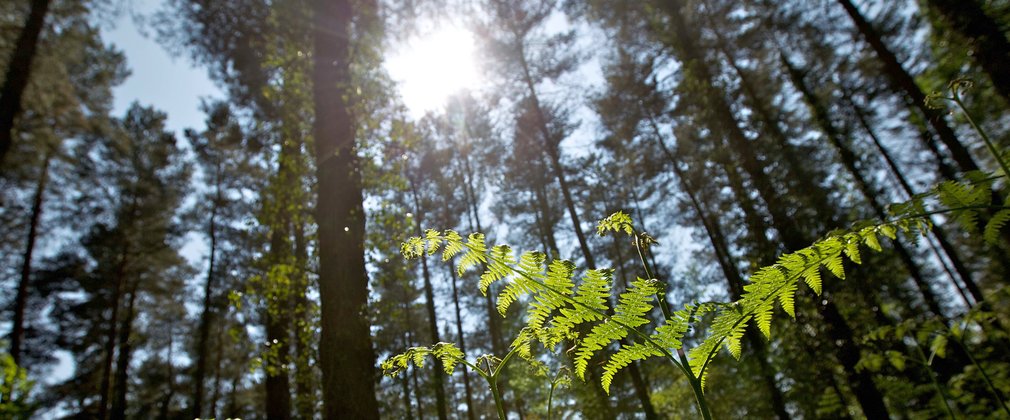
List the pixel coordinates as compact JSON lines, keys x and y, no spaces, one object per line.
{"x":985,"y":376}
{"x":550,"y":399}
{"x":699,"y":392}
{"x":985,"y":137}
{"x":497,"y":399}
{"x":932,"y":378}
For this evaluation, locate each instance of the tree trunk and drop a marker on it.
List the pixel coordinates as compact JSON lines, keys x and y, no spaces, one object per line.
{"x":438,"y":376}
{"x":850,"y":161}
{"x":989,"y":45}
{"x":346,"y":356}
{"x":18,"y":70}
{"x":219,"y":349}
{"x":302,"y":328}
{"x":904,"y":82}
{"x":734,"y":282}
{"x":494,"y":320}
{"x":462,"y":344}
{"x":278,"y":312}
{"x":21,"y":300}
{"x":693,"y":62}
{"x":123,"y":359}
{"x":941,"y":237}
{"x":203,"y":330}
{"x":110,"y":335}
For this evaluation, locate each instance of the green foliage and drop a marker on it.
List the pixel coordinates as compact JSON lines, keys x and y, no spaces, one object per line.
{"x":558,"y":305}
{"x":447,"y":353}
{"x":15,"y":389}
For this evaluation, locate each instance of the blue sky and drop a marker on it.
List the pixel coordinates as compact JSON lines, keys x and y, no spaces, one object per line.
{"x":171,"y":84}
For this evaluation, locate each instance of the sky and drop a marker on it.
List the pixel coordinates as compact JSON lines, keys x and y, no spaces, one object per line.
{"x":173,"y":85}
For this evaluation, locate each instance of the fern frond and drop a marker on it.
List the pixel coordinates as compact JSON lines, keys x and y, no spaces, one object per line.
{"x":447,"y":353}
{"x":624,"y":357}
{"x":453,"y":245}
{"x":498,"y":266}
{"x":476,"y":253}
{"x":433,"y":240}
{"x":559,"y":279}
{"x":630,"y":313}
{"x":962,"y":197}
{"x":995,"y":225}
{"x":530,"y":267}
{"x":590,"y":302}
{"x":617,"y":222}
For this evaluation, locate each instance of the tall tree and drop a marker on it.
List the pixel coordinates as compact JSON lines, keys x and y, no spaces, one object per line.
{"x":345,"y":356}
{"x":19,"y":68}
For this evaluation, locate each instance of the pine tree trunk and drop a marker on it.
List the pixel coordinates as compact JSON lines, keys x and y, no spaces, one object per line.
{"x":554,"y":154}
{"x":123,"y":358}
{"x":723,"y":121}
{"x":218,"y":352}
{"x":904,"y":82}
{"x":851,"y":162}
{"x":494,"y":320}
{"x":941,"y":237}
{"x":18,"y":70}
{"x":346,"y":356}
{"x":988,"y":42}
{"x":462,"y":344}
{"x":438,"y":376}
{"x":203,"y":330}
{"x":278,"y":313}
{"x":734,"y":282}
{"x":21,"y":299}
{"x":301,"y":328}
{"x":111,"y":334}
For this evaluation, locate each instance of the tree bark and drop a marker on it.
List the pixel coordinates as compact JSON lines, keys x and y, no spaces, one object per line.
{"x":21,"y":300}
{"x":301,"y":328}
{"x":462,"y":344}
{"x":346,"y":356}
{"x":989,"y":44}
{"x":203,"y":330}
{"x":18,"y":70}
{"x":693,"y":62}
{"x":111,"y":333}
{"x":851,"y":163}
{"x":438,"y":376}
{"x":941,"y":237}
{"x":904,"y":82}
{"x":123,"y":358}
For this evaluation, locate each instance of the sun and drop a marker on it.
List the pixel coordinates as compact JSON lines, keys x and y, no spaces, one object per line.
{"x":431,"y":67}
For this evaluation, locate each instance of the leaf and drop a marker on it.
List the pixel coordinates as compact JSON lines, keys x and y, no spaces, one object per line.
{"x":995,"y":225}
{"x":897,"y":359}
{"x":870,"y":239}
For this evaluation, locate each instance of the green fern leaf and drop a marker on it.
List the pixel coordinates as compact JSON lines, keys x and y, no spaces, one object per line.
{"x":617,"y":222}
{"x":624,"y":357}
{"x":476,"y":253}
{"x":498,"y":266}
{"x":812,"y":276}
{"x":453,"y":245}
{"x":995,"y":225}
{"x":763,"y":317}
{"x":630,"y":313}
{"x":852,"y":249}
{"x":870,"y":239}
{"x":433,"y":239}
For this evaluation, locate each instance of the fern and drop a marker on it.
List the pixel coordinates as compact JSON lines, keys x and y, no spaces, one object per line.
{"x":557,"y":305}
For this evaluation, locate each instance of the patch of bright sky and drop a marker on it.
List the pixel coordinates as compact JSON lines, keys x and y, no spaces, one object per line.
{"x":173,"y":85}
{"x":432,"y":66}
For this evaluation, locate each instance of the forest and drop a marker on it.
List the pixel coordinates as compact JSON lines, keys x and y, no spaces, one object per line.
{"x":622,"y":209}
